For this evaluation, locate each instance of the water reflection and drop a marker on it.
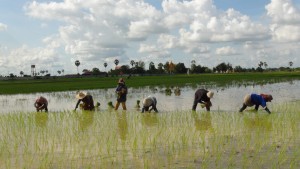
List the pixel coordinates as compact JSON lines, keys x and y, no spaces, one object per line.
{"x":122,"y":125}
{"x":149,"y":119}
{"x":258,"y":121}
{"x":202,"y":121}
{"x":226,"y":98}
{"x":86,"y":119}
{"x":41,"y":119}
{"x":137,"y":106}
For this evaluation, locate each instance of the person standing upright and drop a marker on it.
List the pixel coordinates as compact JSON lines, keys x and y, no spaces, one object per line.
{"x":121,"y":91}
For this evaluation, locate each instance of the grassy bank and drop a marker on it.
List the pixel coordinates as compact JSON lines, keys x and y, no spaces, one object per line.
{"x":116,"y":139}
{"x":64,"y":84}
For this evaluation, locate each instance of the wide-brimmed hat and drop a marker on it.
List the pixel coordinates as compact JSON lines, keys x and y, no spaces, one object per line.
{"x":267,"y":97}
{"x":210,"y":94}
{"x":270,"y":97}
{"x":121,"y":80}
{"x":147,"y":102}
{"x":80,"y":94}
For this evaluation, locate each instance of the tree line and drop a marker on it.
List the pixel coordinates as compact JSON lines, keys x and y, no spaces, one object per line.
{"x":139,"y":67}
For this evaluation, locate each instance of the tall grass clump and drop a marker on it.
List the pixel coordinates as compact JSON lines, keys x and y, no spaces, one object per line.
{"x":175,"y":139}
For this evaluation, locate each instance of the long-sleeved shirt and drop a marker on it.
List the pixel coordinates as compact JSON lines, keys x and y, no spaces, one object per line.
{"x":122,"y":92}
{"x":149,"y":102}
{"x":88,"y":102}
{"x":200,"y":97}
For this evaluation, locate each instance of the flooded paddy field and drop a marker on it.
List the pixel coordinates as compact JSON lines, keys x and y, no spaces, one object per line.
{"x":176,"y":137}
{"x":228,"y":98}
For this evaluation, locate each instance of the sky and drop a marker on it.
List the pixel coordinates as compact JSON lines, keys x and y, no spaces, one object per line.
{"x":53,"y":34}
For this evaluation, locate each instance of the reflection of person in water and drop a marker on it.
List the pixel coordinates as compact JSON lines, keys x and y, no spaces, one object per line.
{"x":86,"y":119}
{"x":137,"y":106}
{"x":202,"y":122}
{"x":41,"y":119}
{"x":122,"y":125}
{"x":150,"y":119}
{"x":177,"y":91}
{"x":258,"y":123}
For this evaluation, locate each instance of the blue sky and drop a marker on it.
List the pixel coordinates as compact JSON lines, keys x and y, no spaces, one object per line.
{"x":53,"y":34}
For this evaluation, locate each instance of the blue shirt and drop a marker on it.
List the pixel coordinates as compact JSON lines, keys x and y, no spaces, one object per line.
{"x":258,"y":100}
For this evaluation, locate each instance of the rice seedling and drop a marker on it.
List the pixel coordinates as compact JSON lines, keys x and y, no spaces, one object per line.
{"x":173,"y":139}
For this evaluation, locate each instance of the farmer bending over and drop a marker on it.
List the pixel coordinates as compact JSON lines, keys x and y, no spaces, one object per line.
{"x":149,"y":102}
{"x":257,"y":100}
{"x":87,"y":99}
{"x":203,"y":96}
{"x":41,"y":103}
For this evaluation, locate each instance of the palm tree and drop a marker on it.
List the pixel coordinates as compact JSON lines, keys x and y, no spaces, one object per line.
{"x":59,"y":72}
{"x":132,"y":62}
{"x":21,"y":73}
{"x":42,"y":72}
{"x":291,"y":63}
{"x":151,"y":66}
{"x":77,"y":63}
{"x":105,"y":65}
{"x":63,"y":71}
{"x":116,"y":62}
{"x":265,"y":65}
{"x":260,"y":64}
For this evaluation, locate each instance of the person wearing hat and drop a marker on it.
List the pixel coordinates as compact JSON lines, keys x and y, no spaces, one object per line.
{"x":41,"y":103}
{"x":257,"y":100}
{"x":203,"y":96}
{"x":148,"y":102}
{"x":121,"y":91}
{"x":87,"y":99}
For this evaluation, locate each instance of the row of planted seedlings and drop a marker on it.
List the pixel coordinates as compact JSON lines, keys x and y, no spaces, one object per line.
{"x":134,"y":140}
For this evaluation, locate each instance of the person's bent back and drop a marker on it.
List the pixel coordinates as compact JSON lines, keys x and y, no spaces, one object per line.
{"x":149,"y":102}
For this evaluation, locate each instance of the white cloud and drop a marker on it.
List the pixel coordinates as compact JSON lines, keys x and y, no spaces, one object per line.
{"x":224,"y":27}
{"x":283,"y":11}
{"x":23,"y":57}
{"x":225,"y":51}
{"x":285,"y":18}
{"x":142,"y":29}
{"x":101,"y":31}
{"x":3,"y":27}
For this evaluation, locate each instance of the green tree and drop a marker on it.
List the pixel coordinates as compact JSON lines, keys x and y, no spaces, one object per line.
{"x":180,"y":68}
{"x":152,"y":67}
{"x":95,"y":71}
{"x":160,"y":68}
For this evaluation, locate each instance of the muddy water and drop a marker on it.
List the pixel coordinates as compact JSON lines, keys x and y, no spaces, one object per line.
{"x":225,"y":98}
